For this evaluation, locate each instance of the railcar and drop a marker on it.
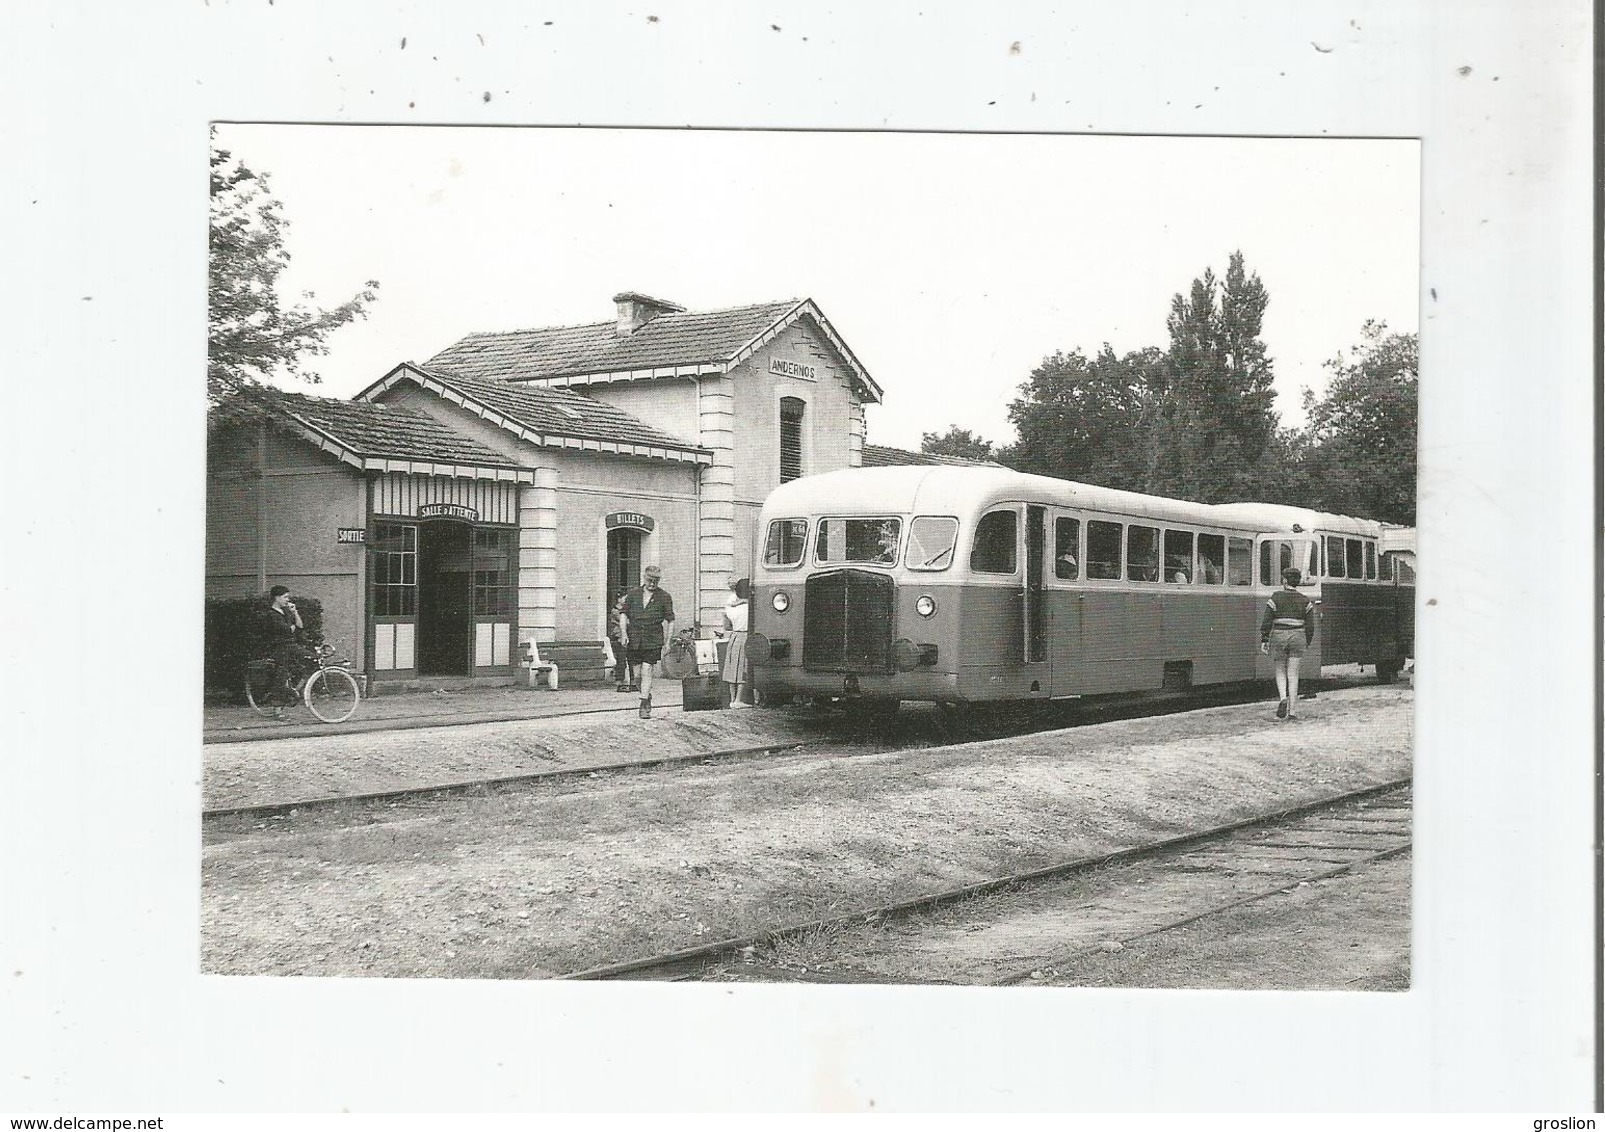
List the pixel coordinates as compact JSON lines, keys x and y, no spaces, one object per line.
{"x":968,"y":585}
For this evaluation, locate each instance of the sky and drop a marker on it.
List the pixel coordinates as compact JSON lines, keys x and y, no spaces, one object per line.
{"x":951,"y":264}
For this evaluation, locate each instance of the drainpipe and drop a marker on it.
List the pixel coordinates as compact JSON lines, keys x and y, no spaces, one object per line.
{"x":696,"y":528}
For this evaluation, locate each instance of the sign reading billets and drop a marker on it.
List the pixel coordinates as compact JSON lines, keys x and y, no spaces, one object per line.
{"x":792,"y":369}
{"x":632,"y":519}
{"x":351,"y":534}
{"x":448,"y":511}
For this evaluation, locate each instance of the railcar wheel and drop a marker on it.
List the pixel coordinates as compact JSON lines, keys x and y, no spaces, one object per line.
{"x":871,"y":711}
{"x":956,"y":721}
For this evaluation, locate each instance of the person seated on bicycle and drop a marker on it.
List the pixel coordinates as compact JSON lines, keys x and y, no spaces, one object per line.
{"x":281,"y":623}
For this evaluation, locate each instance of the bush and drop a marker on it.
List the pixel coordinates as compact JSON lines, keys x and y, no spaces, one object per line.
{"x":234,"y":636}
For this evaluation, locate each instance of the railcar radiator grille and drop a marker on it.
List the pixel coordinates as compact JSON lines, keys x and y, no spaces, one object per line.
{"x":847,"y":622}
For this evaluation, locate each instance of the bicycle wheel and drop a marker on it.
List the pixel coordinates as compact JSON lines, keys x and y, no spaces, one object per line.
{"x":332,"y":695}
{"x":261,"y":682}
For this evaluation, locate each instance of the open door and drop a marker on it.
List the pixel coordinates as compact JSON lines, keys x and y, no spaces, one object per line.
{"x":1033,"y":623}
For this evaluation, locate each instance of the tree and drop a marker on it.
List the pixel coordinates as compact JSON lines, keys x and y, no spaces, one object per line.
{"x":1214,"y":423}
{"x":1086,"y":419}
{"x":252,"y":334}
{"x":1360,"y":454}
{"x":959,"y":442}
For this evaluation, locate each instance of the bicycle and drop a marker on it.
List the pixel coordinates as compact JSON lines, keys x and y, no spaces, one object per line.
{"x":329,"y":691}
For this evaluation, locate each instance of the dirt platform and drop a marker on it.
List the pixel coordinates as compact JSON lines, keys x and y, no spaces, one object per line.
{"x":529,"y":884}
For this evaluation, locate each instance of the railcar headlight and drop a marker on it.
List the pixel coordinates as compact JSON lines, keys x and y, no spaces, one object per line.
{"x":925,"y":606}
{"x":781,"y":602}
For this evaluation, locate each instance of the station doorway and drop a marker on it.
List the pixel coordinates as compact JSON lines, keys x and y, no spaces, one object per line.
{"x":623,"y":563}
{"x":445,"y":598}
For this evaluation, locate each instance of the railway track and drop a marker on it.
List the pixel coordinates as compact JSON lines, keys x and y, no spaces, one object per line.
{"x":911,"y":728}
{"x":1290,"y":847}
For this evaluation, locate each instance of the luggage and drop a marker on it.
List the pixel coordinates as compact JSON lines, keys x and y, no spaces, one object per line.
{"x":702,"y":693}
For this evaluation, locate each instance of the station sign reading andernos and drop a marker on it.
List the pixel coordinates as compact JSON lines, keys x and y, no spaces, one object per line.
{"x":632,"y":519}
{"x":787,"y":368}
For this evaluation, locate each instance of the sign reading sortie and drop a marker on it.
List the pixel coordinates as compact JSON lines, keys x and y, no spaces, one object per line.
{"x":448,"y":511}
{"x":792,"y":369}
{"x":632,"y":519}
{"x":351,"y":534}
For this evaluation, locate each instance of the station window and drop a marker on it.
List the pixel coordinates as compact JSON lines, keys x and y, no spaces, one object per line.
{"x":493,"y":579}
{"x":1371,"y":560}
{"x":1103,"y":550}
{"x":784,"y":546}
{"x":931,"y":540}
{"x":1067,"y":548}
{"x":995,"y":537}
{"x":1178,"y":556}
{"x":1240,"y":562}
{"x":791,"y":438}
{"x":1142,"y":554}
{"x":1212,"y":559}
{"x":1356,"y":558}
{"x":872,"y":542}
{"x":1334,"y":557}
{"x":393,"y":559}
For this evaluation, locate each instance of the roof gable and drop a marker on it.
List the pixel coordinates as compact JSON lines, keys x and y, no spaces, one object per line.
{"x":387,"y":438}
{"x":547,"y":417}
{"x":672,"y":344}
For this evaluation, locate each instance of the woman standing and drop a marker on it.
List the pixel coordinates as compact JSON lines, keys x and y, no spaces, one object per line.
{"x":1285,"y":630}
{"x":735,"y":631}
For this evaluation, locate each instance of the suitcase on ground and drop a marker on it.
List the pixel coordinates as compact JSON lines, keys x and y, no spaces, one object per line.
{"x":701,"y":693}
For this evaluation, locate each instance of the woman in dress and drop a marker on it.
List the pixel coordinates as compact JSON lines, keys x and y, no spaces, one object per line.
{"x":735,"y":632}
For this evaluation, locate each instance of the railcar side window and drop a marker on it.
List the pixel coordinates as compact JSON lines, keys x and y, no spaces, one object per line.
{"x":931,"y":539}
{"x":1356,"y":559}
{"x":1240,"y":562}
{"x":784,"y":546}
{"x":1142,"y":554}
{"x":1211,"y":559}
{"x":995,"y":538}
{"x":1178,"y":556}
{"x":1287,"y":555}
{"x":1067,"y":548}
{"x":1371,"y":560}
{"x":872,"y":542}
{"x":1103,"y":550}
{"x":1334,"y":557}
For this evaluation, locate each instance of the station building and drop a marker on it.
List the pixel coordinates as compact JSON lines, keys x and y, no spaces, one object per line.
{"x":513,"y":485}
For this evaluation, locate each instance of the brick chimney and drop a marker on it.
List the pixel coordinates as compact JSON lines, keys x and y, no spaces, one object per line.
{"x":635,"y":310}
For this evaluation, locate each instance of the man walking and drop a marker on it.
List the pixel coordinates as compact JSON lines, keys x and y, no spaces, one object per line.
{"x":645,"y":623}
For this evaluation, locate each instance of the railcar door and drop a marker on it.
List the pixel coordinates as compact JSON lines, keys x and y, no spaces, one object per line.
{"x":1034,"y":647}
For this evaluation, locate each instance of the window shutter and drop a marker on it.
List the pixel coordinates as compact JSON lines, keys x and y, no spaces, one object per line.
{"x":791,"y":418}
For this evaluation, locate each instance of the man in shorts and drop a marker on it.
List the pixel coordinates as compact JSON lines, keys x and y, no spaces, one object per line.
{"x":1286,"y":629}
{"x":646,"y":622}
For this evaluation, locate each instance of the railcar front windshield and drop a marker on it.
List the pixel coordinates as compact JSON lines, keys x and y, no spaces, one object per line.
{"x":867,"y":542}
{"x":931,"y":541}
{"x":784,"y":546}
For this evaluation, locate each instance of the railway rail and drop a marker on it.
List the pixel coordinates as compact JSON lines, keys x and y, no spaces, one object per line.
{"x":1303,"y":863}
{"x":915,"y":729}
